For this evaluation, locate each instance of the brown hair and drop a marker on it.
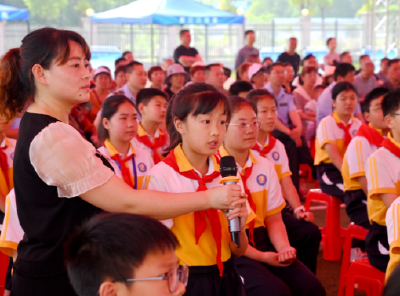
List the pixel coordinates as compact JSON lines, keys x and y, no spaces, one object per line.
{"x":242,"y":69}
{"x":308,"y":70}
{"x":43,"y":47}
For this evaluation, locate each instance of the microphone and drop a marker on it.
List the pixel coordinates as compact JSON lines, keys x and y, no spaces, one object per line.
{"x":228,"y":172}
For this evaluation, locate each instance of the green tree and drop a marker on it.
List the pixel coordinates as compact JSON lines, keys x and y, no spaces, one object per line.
{"x":46,"y":9}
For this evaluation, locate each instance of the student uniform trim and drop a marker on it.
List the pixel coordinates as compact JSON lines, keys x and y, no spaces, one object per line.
{"x":143,"y":160}
{"x":163,"y":178}
{"x":263,"y":185}
{"x":393,"y":230}
{"x":141,"y":132}
{"x":278,"y":157}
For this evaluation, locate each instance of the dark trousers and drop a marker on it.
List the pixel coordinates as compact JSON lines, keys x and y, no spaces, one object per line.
{"x":329,"y":177}
{"x":356,"y":208}
{"x":305,"y":237}
{"x":205,"y":280}
{"x":264,"y":280}
{"x":49,"y":286}
{"x":296,"y":156}
{"x":375,"y":244}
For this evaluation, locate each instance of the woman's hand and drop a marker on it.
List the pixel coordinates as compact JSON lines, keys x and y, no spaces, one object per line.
{"x":226,"y":197}
{"x":287,"y":255}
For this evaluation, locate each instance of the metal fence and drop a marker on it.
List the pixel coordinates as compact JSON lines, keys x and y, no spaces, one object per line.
{"x":153,"y":43}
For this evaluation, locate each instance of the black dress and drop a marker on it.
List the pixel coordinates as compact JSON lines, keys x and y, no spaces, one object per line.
{"x":46,"y":211}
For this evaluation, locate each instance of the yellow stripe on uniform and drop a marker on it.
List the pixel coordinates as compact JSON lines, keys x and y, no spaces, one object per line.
{"x":7,"y":217}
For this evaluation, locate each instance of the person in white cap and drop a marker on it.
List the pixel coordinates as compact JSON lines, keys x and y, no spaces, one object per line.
{"x":257,"y":75}
{"x":176,"y":79}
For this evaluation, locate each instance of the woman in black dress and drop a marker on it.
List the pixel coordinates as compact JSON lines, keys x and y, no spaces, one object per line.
{"x":59,"y":179}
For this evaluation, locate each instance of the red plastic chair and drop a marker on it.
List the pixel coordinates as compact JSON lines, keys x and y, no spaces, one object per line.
{"x":4,"y":259}
{"x":306,"y":171}
{"x":361,"y":274}
{"x":353,"y":232}
{"x":332,"y":234}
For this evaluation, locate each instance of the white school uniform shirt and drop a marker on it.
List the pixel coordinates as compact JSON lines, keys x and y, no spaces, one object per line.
{"x":329,"y":132}
{"x":354,"y":161}
{"x":383,"y":176}
{"x":11,"y":230}
{"x":143,"y":160}
{"x":263,"y":185}
{"x":141,"y":132}
{"x":393,"y":231}
{"x":164,"y":178}
{"x":278,"y":157}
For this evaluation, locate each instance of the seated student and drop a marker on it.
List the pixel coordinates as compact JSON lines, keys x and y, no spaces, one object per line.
{"x":366,"y":141}
{"x":392,"y":223}
{"x":124,"y":254}
{"x":383,"y":178}
{"x":256,"y":74}
{"x":333,"y":136}
{"x":288,"y":127}
{"x":304,"y":236}
{"x":240,"y":88}
{"x":269,"y":263}
{"x":117,"y":129}
{"x":152,"y":105}
{"x":197,"y":118}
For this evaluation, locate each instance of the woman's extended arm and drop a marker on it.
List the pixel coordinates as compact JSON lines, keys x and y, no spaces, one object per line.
{"x":116,"y":196}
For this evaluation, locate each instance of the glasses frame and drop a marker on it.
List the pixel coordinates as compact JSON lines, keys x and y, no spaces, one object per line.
{"x":166,"y":276}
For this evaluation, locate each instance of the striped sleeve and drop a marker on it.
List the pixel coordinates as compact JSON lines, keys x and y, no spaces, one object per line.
{"x":326,"y":132}
{"x":393,"y":230}
{"x":378,"y":177}
{"x":356,"y":155}
{"x":285,"y":170}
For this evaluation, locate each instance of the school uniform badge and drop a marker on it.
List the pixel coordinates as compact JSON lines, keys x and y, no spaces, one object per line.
{"x":275,"y":156}
{"x":142,"y":167}
{"x":261,"y":179}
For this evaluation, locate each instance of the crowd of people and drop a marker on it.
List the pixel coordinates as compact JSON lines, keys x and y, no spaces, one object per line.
{"x":77,"y":142}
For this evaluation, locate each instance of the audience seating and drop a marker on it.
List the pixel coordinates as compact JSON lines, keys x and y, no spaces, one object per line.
{"x":359,"y":274}
{"x":332,"y":234}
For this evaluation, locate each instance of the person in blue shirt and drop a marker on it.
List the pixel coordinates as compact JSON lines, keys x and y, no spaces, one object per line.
{"x":288,"y":128}
{"x":343,"y":72}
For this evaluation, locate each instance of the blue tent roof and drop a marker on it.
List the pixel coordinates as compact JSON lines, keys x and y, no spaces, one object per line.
{"x":11,"y":13}
{"x":167,"y":12}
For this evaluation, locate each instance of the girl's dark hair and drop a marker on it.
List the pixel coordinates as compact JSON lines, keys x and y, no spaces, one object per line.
{"x":108,"y":109}
{"x":194,"y":99}
{"x":308,"y":70}
{"x":43,"y":47}
{"x":341,"y":87}
{"x":257,"y":94}
{"x":237,"y":102}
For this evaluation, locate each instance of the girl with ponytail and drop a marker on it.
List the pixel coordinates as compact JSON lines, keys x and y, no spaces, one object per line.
{"x":59,"y":178}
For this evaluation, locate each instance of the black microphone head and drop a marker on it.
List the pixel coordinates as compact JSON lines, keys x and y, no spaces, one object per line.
{"x":227,"y":166}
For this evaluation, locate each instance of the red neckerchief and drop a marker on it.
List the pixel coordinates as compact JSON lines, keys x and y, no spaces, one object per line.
{"x":158,"y":142}
{"x":200,"y":223}
{"x":126,"y":174}
{"x":392,"y":147}
{"x":371,"y":135}
{"x":271,"y":144}
{"x":245,"y":176}
{"x":346,"y":129}
{"x":4,"y":166}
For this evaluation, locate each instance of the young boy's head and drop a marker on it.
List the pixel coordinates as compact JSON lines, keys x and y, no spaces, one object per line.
{"x":240,"y":88}
{"x":391,"y":111}
{"x":266,"y":108}
{"x":344,"y":97}
{"x":110,"y":250}
{"x":372,"y":107}
{"x":152,"y":104}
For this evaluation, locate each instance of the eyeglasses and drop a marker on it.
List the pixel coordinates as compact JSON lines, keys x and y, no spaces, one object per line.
{"x":246,"y":124}
{"x":395,"y":114}
{"x":174,"y":276}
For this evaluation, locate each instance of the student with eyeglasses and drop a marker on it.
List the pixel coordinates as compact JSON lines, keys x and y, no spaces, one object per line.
{"x":125,"y":254}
